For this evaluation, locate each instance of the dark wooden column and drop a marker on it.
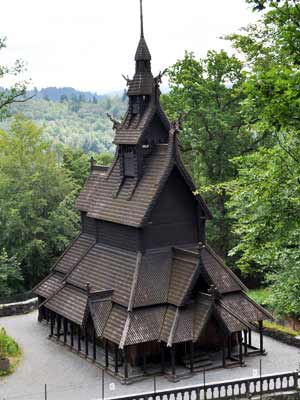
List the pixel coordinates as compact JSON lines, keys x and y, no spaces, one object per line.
{"x":94,"y":345}
{"x":106,"y":353}
{"x":116,"y":359}
{"x":125,"y":363}
{"x":79,"y":338}
{"x":40,"y":312}
{"x":65,"y":326}
{"x":261,"y":337}
{"x":163,"y":357}
{"x":51,"y":323}
{"x":250,"y":337}
{"x":144,"y":362}
{"x":192,"y":356}
{"x":86,"y":341}
{"x":173,"y":360}
{"x":229,"y":346}
{"x":225,"y":340}
{"x":47,"y":314}
{"x":240,"y":347}
{"x":245,"y":342}
{"x":72,"y":333}
{"x":58,"y":322}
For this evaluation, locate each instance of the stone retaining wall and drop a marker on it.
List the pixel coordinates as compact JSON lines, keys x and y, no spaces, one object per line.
{"x":22,"y":307}
{"x":282,"y":337}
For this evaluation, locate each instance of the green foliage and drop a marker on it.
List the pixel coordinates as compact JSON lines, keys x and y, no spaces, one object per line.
{"x":17,"y":91}
{"x":208,"y":93}
{"x":37,"y":218}
{"x":260,"y":296}
{"x":281,"y":328}
{"x":265,"y":197}
{"x":11,"y":280}
{"x":77,"y":163}
{"x":8,"y":346}
{"x":74,"y":123}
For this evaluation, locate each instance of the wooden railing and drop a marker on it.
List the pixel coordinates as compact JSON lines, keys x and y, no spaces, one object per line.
{"x":239,"y":388}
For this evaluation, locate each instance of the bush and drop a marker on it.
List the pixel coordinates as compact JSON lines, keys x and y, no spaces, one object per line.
{"x":8,"y":346}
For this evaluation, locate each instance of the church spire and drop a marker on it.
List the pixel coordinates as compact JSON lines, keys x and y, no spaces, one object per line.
{"x":142,"y":82}
{"x":142,"y":18}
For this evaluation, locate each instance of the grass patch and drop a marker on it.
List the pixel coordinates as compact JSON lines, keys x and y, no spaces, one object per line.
{"x":260,"y":296}
{"x":10,"y":349}
{"x":281,"y":328}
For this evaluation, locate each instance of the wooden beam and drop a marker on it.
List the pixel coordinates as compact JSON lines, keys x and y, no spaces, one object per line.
{"x":144,"y":362}
{"x":86,"y":341}
{"x":261,"y":337}
{"x":58,"y":322}
{"x":125,"y":363}
{"x":79,"y":339}
{"x":250,"y":337}
{"x":163,"y":357}
{"x":240,"y":347}
{"x":72,"y":333}
{"x":106,"y":354}
{"x":94,"y":345}
{"x":245,"y":342}
{"x":116,"y":359}
{"x":192,"y":356}
{"x":229,"y":346}
{"x":51,"y":323}
{"x":65,"y":326}
{"x":173,"y":355}
{"x":224,"y":352}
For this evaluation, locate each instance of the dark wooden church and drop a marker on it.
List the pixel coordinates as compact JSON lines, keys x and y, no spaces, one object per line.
{"x":139,"y":291}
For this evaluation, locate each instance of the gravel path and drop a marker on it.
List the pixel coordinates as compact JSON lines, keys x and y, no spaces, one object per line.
{"x":69,"y":377}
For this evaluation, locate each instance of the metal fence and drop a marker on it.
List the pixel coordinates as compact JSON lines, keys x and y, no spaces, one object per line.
{"x":231,"y":389}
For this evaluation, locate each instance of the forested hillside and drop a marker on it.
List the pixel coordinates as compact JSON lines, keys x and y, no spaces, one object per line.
{"x":74,"y":121}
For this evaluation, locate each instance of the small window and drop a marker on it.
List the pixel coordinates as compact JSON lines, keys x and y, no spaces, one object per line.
{"x":129,"y":164}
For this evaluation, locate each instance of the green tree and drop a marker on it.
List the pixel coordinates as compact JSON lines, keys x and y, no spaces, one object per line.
{"x":265,"y":200}
{"x":11,"y":280}
{"x":17,"y":92}
{"x":78,"y":163}
{"x":37,"y":219}
{"x":208,"y":93}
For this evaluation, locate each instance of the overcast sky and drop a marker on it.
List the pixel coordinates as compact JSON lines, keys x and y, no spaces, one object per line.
{"x":89,"y":44}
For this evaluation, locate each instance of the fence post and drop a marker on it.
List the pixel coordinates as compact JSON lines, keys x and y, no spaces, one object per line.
{"x":295,"y":378}
{"x":45,"y":391}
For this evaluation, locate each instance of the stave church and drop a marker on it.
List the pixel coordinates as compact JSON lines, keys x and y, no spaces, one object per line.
{"x":140,"y":291}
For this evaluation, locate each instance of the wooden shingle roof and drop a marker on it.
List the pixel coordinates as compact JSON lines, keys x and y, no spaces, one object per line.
{"x":69,"y":302}
{"x":49,"y":285}
{"x":217,"y":273}
{"x":184,"y":269}
{"x":74,"y":253}
{"x":105,"y":268}
{"x":127,"y":202}
{"x":244,"y":307}
{"x":133,"y":128}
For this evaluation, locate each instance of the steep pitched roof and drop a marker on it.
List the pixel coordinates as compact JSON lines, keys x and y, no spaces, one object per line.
{"x":244,"y":307}
{"x":133,"y":128}
{"x":69,"y":302}
{"x":74,"y":252}
{"x":183,"y":273}
{"x":104,"y":268}
{"x":49,"y":285}
{"x":130,"y":202}
{"x":217,"y":273}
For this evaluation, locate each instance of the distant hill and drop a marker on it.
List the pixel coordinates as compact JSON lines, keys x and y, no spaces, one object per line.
{"x":74,"y":118}
{"x":57,"y":94}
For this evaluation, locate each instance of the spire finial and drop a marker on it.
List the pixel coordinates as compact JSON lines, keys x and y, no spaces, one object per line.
{"x":142,"y":19}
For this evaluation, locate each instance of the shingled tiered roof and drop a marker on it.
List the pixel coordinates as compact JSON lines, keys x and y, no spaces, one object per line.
{"x":145,"y":292}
